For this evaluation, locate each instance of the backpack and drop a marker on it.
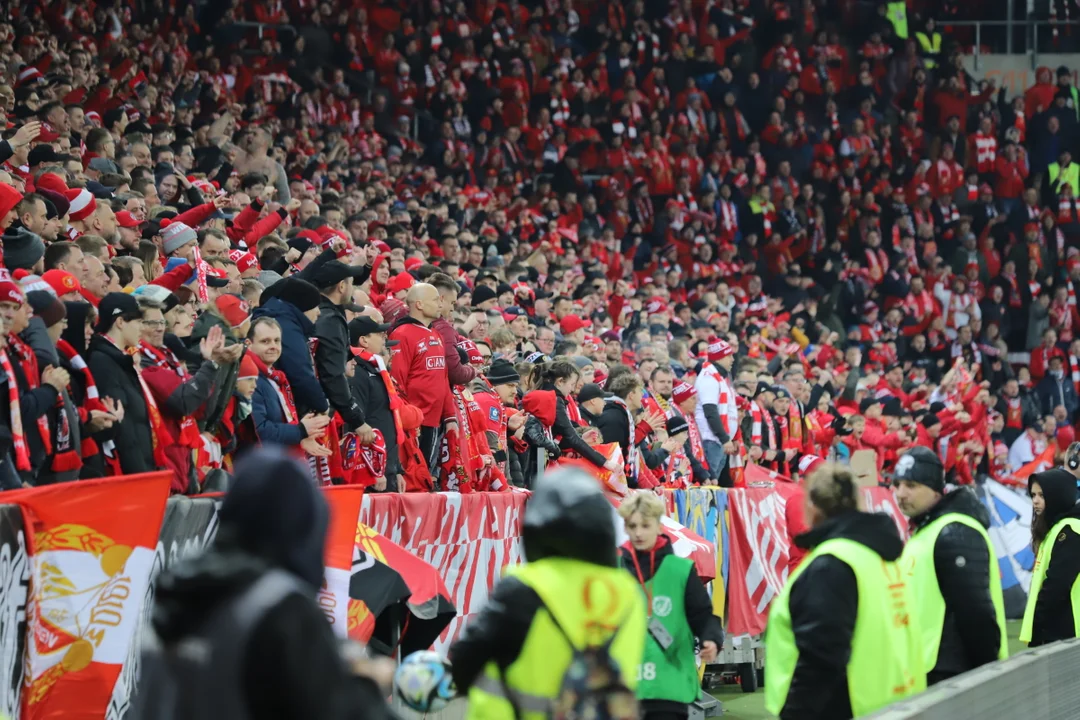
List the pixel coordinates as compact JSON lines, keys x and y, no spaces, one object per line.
{"x":592,"y":687}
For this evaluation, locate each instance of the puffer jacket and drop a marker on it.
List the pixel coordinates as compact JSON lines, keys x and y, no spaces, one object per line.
{"x":963,"y":560}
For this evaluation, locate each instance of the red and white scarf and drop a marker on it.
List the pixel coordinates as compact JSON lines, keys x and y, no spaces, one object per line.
{"x":630,"y":461}
{"x":22,"y":450}
{"x":24,"y":354}
{"x":93,"y":399}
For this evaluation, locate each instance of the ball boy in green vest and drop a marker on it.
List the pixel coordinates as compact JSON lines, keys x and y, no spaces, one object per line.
{"x":951,"y":569}
{"x":679,"y":609}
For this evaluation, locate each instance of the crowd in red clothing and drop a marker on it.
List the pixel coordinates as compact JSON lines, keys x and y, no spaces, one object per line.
{"x":442,"y":245}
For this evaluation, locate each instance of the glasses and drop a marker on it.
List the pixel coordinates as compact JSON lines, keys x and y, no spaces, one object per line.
{"x":154,"y":323}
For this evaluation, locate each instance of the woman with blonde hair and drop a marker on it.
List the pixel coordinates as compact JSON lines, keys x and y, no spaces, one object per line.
{"x":842,"y":639}
{"x":679,"y":610}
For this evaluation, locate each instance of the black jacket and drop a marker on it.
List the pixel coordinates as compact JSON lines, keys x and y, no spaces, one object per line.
{"x":331,"y":355}
{"x":295,"y":360}
{"x":114,"y":373}
{"x":696,"y":600}
{"x":566,"y":433}
{"x":1053,"y":619}
{"x":369,"y":392}
{"x":824,"y":602}
{"x":225,"y":375}
{"x":963,"y":561}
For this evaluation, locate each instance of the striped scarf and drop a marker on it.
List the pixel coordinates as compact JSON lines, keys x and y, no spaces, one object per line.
{"x":93,"y":400}
{"x":25,"y":355}
{"x":22,"y":450}
{"x":756,"y":418}
{"x":630,"y":461}
{"x":1074,"y":368}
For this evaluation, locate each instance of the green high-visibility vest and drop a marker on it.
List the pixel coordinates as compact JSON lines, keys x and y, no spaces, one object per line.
{"x":885,"y":664}
{"x":918,"y":563}
{"x":897,"y":14}
{"x":591,"y":603}
{"x":1038,"y":575}
{"x":931,"y":45}
{"x":1059,"y":177}
{"x":670,"y":675}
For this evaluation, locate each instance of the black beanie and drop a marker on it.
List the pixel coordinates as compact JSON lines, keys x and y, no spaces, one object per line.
{"x":921,"y":465}
{"x":502,"y":372}
{"x":482,"y":294}
{"x":300,"y":293}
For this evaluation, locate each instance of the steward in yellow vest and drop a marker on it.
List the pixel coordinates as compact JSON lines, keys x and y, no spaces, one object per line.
{"x":951,"y":569}
{"x":842,"y":639}
{"x":1053,"y":607}
{"x":570,"y":598}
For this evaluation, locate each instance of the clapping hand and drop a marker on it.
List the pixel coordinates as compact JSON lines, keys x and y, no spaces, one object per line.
{"x":211,"y":345}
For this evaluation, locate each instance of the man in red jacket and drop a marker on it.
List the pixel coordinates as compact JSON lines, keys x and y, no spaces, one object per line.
{"x":418,"y":366}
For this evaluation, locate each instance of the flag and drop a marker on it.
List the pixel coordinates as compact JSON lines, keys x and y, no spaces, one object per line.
{"x":1010,"y":536}
{"x":384,"y":574}
{"x":344,"y":502}
{"x":684,"y":542}
{"x":91,"y":551}
{"x":757,"y":554}
{"x":1043,"y":461}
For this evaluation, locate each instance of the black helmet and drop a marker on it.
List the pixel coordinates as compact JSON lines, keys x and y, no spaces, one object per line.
{"x":922,"y":465}
{"x":568,"y":516}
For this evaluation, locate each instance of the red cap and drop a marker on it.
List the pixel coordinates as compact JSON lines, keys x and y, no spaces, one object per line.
{"x":233,"y":310}
{"x":718,"y":349}
{"x":571,"y":324}
{"x":809,"y":463}
{"x":62,"y":282}
{"x":9,"y":198}
{"x":683,"y":392}
{"x":402,"y":281}
{"x":126,"y":220}
{"x":9,"y":289}
{"x":413,"y":263}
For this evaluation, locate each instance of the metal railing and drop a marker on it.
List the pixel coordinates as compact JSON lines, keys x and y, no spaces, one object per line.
{"x":1028,"y":37}
{"x":1039,"y":684}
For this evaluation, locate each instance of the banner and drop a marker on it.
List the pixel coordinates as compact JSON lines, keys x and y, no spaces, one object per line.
{"x":1010,"y":534}
{"x":14,"y":583}
{"x":91,"y":553}
{"x":344,"y":502}
{"x":469,"y":539}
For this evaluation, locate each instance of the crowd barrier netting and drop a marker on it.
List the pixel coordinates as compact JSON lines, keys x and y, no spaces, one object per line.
{"x":470,"y":539}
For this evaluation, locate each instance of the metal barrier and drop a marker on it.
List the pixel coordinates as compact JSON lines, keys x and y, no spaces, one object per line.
{"x":1039,"y":684}
{"x":1036,"y":37}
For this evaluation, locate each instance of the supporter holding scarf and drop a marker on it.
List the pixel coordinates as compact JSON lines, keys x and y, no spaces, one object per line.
{"x":179,"y":396}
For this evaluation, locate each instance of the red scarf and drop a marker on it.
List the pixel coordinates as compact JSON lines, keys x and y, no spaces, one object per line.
{"x":25,"y":355}
{"x":91,"y":402}
{"x":281,"y":386}
{"x":163,"y":357}
{"x":22,"y":451}
{"x":391,"y":391}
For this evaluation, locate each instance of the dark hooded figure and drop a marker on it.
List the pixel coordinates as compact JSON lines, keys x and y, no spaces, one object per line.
{"x":1053,"y":608}
{"x":570,"y":595}
{"x":236,"y":632}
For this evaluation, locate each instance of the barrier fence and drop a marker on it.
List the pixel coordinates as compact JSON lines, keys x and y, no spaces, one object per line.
{"x":468,"y":539}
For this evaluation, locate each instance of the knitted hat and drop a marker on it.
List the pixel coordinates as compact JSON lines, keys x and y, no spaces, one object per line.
{"x":22,"y":249}
{"x":9,"y":289}
{"x":53,"y":183}
{"x":677,"y":424}
{"x":571,"y":324}
{"x":471,"y":352}
{"x":248,"y":369}
{"x":502,"y":372}
{"x":176,"y":235}
{"x":59,"y":203}
{"x":921,"y":465}
{"x":482,"y":294}
{"x":156,"y":293}
{"x":244,"y":261}
{"x":299,"y":293}
{"x":81,"y":204}
{"x":718,"y":349}
{"x":808,"y":464}
{"x":9,"y":198}
{"x":46,"y":307}
{"x":683,"y":392}
{"x":392,"y":310}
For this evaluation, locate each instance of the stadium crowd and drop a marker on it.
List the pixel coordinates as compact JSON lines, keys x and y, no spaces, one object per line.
{"x":444,"y":245}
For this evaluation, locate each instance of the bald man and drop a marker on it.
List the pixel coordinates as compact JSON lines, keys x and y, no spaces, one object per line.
{"x":418,"y":364}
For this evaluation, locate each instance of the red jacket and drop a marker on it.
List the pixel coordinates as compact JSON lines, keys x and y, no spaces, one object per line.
{"x":418,"y":366}
{"x":1010,"y":178}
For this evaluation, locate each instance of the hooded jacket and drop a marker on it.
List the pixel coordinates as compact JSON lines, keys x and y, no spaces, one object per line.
{"x":1053,"y":619}
{"x":114,"y":372}
{"x":962,"y":560}
{"x":273,"y":517}
{"x":295,"y":360}
{"x":824,"y":602}
{"x":570,"y":518}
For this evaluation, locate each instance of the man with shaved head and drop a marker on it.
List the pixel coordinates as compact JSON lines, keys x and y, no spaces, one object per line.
{"x":418,"y":364}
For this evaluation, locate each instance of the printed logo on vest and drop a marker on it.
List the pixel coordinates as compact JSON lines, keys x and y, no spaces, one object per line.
{"x":661,"y":606}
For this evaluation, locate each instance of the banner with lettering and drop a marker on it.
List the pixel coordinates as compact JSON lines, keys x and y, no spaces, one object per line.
{"x":91,"y":548}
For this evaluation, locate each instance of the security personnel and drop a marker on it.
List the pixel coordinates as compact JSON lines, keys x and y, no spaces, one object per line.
{"x":1063,"y":172}
{"x":842,"y":639}
{"x":569,"y":597}
{"x":951,"y":569}
{"x":679,"y":609}
{"x":929,"y":40}
{"x":1053,"y":606}
{"x":896,"y":11}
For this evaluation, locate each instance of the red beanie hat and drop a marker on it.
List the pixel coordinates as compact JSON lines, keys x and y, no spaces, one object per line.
{"x":81,"y":204}
{"x":9,"y":198}
{"x":718,"y":349}
{"x":248,"y":369}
